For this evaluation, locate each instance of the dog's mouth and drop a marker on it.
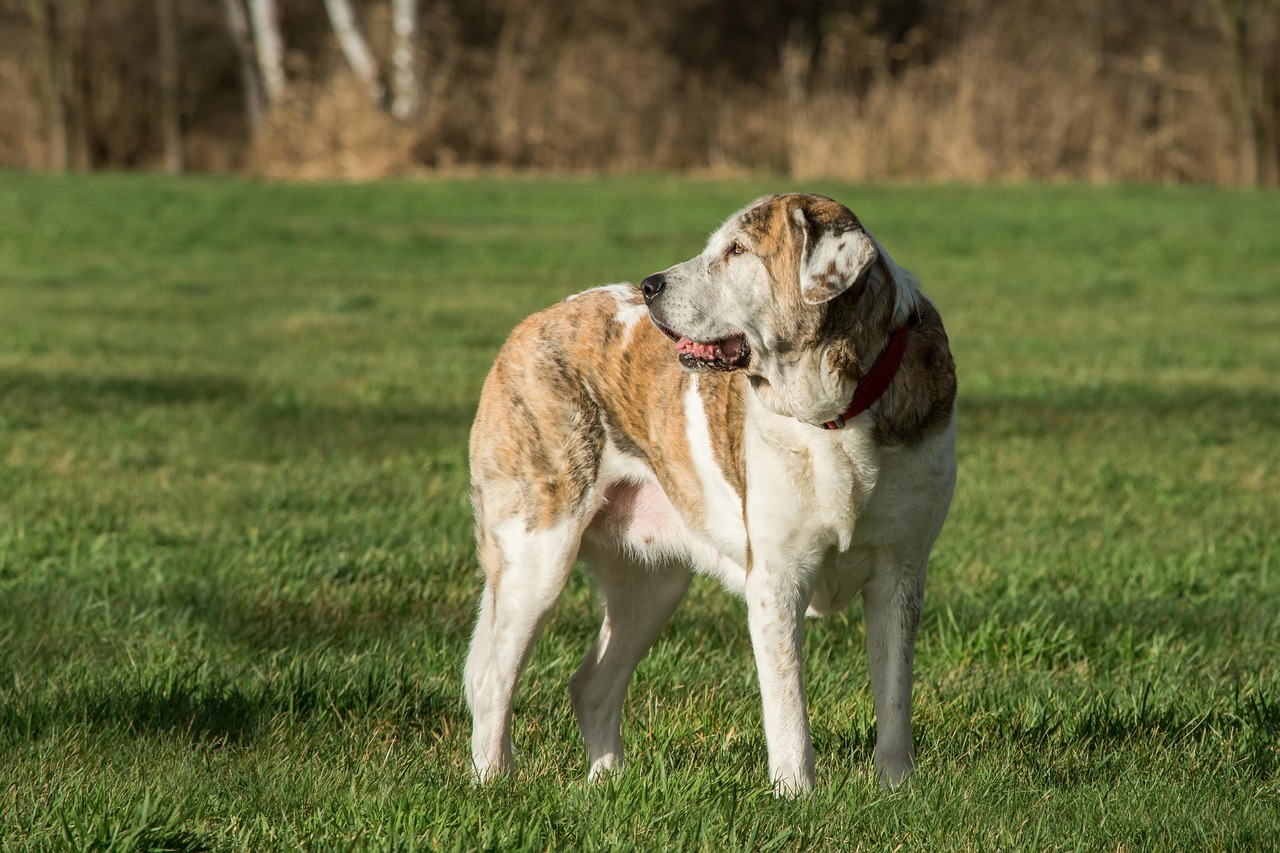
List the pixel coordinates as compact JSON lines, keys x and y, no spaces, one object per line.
{"x":731,"y":353}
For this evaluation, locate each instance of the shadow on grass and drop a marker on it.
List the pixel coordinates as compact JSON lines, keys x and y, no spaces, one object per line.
{"x":299,"y":623}
{"x":283,"y":428}
{"x":1062,"y":629}
{"x":1214,"y":415}
{"x":278,"y":426}
{"x":42,"y":393}
{"x":1212,"y":411}
{"x":221,"y":713}
{"x":235,"y":713}
{"x":199,"y":714}
{"x":1115,"y":722}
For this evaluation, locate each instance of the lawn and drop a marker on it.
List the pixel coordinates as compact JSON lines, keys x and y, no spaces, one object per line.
{"x":237,"y":576}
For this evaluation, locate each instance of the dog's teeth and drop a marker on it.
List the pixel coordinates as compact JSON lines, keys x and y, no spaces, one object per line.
{"x":696,"y":348}
{"x":726,"y":352}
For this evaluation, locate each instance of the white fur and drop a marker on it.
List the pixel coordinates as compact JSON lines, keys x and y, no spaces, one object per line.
{"x":832,"y":264}
{"x":907,"y":300}
{"x":506,"y":627}
{"x":726,"y":529}
{"x":630,"y":312}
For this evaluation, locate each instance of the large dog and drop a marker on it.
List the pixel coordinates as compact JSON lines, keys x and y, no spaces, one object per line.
{"x":778,"y":412}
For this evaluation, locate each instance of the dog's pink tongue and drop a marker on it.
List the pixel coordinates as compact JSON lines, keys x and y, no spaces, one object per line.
{"x":695,"y":349}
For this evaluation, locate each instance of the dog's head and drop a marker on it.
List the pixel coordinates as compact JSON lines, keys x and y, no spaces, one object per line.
{"x":773,"y":283}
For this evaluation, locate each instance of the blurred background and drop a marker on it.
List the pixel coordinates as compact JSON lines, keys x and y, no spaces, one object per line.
{"x":969,"y":90}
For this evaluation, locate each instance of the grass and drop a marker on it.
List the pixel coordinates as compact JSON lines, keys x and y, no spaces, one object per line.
{"x":236,"y":570}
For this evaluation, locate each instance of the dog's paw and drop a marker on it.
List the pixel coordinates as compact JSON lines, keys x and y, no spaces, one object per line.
{"x":605,"y":767}
{"x":894,"y":773}
{"x":791,"y":784}
{"x":485,"y":770}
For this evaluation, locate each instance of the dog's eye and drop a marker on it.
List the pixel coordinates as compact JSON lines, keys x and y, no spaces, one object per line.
{"x":736,"y":248}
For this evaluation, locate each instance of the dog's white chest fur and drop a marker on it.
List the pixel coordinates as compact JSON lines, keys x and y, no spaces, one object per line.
{"x":593,"y":441}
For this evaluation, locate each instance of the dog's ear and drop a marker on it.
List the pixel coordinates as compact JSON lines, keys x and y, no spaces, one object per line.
{"x":835,"y":252}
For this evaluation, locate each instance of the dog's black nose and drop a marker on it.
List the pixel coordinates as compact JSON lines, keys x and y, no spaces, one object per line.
{"x":653,"y":285}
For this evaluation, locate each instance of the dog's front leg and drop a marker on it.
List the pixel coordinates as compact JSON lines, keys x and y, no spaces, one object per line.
{"x":891,"y":604}
{"x":775,"y":615}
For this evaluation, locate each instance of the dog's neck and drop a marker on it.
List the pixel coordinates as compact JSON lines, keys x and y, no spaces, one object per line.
{"x":816,"y":385}
{"x":876,"y":380}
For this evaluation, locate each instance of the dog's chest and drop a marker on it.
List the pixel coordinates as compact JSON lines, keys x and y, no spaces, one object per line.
{"x":806,"y":489}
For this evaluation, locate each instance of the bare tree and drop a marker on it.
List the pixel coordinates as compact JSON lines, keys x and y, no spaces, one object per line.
{"x":170,"y":108}
{"x":251,"y":80}
{"x":406,"y":80}
{"x":60,"y":27}
{"x":57,"y":104}
{"x":524,"y":25}
{"x":1251,"y":32}
{"x":356,"y":49}
{"x":265,"y":18}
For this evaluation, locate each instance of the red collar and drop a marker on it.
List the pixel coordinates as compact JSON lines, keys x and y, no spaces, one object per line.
{"x":876,"y":380}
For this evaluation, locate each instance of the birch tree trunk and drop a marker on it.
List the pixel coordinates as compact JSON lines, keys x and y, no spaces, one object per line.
{"x":251,"y":81}
{"x":77,"y":79}
{"x":406,"y":81}
{"x":265,"y":19}
{"x":57,"y":105}
{"x":523,"y":26}
{"x":170,"y":108}
{"x":356,"y":49}
{"x":1251,"y":33}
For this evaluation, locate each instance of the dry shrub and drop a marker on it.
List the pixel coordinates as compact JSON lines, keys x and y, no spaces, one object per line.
{"x":1021,"y":96}
{"x":588,"y":112}
{"x":971,"y":90}
{"x":567,"y":87}
{"x":22,"y":130}
{"x":750,"y":129}
{"x":330,"y":130}
{"x":592,"y":114}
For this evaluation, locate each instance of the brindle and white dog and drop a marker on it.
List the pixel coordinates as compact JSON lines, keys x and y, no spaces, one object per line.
{"x":704,"y":422}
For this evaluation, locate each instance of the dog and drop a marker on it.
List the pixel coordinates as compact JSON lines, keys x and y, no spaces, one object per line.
{"x":778,"y":412}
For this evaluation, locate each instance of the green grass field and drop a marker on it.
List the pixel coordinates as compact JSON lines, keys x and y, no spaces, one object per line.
{"x":236,"y":568}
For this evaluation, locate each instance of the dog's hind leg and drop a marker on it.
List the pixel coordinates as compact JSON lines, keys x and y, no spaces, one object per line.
{"x":639,"y":599}
{"x":525,"y":572}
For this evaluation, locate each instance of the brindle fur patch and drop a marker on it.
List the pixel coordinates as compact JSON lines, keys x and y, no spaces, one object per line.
{"x":920,"y":401}
{"x":725,"y":404}
{"x":568,"y":379}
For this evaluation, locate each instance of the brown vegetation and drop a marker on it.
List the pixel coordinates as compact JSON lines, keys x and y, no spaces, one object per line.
{"x":1161,"y":90}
